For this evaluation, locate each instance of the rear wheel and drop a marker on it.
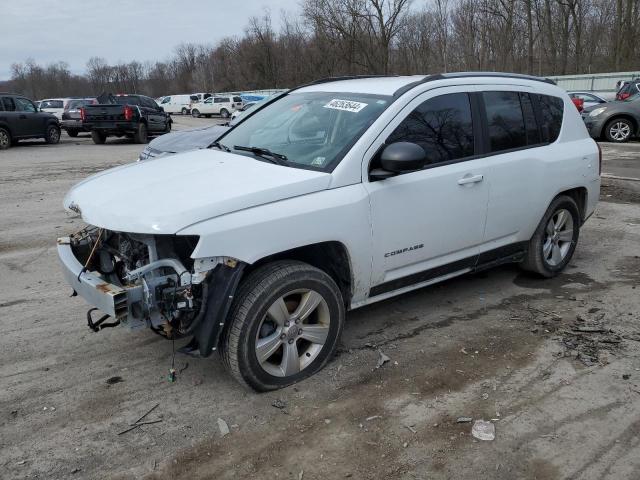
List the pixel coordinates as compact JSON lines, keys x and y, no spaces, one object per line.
{"x":5,"y":139}
{"x":619,"y":130}
{"x":141,"y":135}
{"x":98,"y":137}
{"x":555,"y":239}
{"x":53,"y":135}
{"x":284,"y":326}
{"x":72,"y":133}
{"x":224,"y":113}
{"x":185,"y":111}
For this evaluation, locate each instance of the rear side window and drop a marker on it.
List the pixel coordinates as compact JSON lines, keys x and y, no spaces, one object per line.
{"x":9,"y":104}
{"x":237,"y":99}
{"x":219,"y":100}
{"x":442,"y":126}
{"x":505,"y":120}
{"x":52,"y":104}
{"x":550,"y":116}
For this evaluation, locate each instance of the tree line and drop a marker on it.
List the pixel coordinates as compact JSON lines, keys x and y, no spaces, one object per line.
{"x":351,"y":37}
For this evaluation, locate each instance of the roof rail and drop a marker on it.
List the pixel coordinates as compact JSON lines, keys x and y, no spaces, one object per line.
{"x":345,"y":77}
{"x":444,"y":76}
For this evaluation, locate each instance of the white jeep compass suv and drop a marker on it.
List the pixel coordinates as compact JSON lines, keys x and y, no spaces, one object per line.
{"x":327,"y":198}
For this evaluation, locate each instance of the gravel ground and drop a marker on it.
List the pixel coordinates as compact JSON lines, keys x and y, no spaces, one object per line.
{"x":555,"y":364}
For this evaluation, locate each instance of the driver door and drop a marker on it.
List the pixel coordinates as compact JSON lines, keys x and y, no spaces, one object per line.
{"x":29,"y":121}
{"x":429,"y":223}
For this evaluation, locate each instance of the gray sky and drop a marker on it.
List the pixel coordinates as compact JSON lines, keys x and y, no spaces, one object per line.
{"x":119,"y":30}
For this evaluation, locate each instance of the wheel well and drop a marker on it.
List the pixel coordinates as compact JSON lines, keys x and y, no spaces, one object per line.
{"x":626,"y":117}
{"x":330,"y":257}
{"x":579,"y":194}
{"x":6,"y":127}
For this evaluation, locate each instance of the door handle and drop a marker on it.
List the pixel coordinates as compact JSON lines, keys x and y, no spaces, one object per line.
{"x":470,"y":179}
{"x":23,"y":116}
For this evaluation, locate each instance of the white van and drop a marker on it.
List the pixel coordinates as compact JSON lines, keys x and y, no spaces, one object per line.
{"x":178,"y":103}
{"x":54,"y":105}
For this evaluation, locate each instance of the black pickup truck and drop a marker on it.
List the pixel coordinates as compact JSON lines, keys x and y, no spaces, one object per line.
{"x":133,"y":116}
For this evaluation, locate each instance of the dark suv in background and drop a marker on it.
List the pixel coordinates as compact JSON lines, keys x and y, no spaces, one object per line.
{"x":20,"y":119}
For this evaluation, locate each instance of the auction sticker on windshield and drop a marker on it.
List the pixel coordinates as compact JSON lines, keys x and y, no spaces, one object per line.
{"x":346,"y":105}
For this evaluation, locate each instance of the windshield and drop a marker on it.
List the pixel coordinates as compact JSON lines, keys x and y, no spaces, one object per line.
{"x":311,"y":129}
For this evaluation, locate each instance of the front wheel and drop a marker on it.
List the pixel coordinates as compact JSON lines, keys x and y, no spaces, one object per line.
{"x":195,"y":113}
{"x":284,"y":325}
{"x":555,"y":239}
{"x":53,"y":135}
{"x":618,"y":130}
{"x":224,"y":113}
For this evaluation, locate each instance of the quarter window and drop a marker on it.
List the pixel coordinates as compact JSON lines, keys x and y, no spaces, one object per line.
{"x":505,"y":120}
{"x":442,"y":126}
{"x":551,"y":111}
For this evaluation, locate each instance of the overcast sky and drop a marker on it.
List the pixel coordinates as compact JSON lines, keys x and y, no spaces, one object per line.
{"x":119,"y":30}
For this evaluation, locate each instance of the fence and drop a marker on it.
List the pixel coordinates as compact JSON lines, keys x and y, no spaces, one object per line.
{"x":598,"y":82}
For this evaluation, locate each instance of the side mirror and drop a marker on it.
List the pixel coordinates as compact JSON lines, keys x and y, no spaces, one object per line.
{"x":399,"y":157}
{"x":161,"y":109}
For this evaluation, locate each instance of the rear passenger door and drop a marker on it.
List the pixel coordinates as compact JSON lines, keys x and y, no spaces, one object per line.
{"x":520,"y":164}
{"x":429,"y":223}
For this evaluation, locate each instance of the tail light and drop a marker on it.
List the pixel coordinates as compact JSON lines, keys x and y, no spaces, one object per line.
{"x":599,"y":159}
{"x":128,"y":112}
{"x":82,"y":114}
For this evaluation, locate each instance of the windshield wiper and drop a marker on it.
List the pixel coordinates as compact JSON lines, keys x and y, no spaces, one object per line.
{"x":265,"y":153}
{"x":219,"y":146}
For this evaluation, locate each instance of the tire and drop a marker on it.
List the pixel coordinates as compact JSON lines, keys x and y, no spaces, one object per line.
{"x":555,"y":239}
{"x":195,"y":113}
{"x":5,"y":139}
{"x":53,"y":135}
{"x":98,"y":137}
{"x":168,"y":127}
{"x":285,"y":284}
{"x":185,"y":111}
{"x":224,"y":113}
{"x":72,"y":133}
{"x":141,"y":135}
{"x":619,"y":130}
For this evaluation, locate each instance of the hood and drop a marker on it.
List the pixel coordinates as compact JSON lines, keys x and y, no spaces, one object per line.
{"x":171,"y":193}
{"x":185,"y":140}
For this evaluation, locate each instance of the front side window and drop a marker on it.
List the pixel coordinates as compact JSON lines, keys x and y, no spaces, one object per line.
{"x":311,"y":129}
{"x":52,"y":104}
{"x":237,"y":99}
{"x":442,"y":126}
{"x":551,"y":112}
{"x":505,"y":120}
{"x":166,"y":100}
{"x":208,"y":101}
{"x":24,"y":105}
{"x":218,"y":100}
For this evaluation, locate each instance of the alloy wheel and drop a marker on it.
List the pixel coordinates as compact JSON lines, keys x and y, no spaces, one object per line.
{"x":558,"y":237}
{"x":4,"y":139}
{"x":292,"y":332}
{"x":620,"y":131}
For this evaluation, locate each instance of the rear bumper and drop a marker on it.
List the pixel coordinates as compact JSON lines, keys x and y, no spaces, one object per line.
{"x":71,"y":124}
{"x":91,"y":286}
{"x":111,"y":127}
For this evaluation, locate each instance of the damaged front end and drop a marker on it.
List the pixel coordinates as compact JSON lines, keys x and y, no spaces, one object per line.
{"x":151,"y":281}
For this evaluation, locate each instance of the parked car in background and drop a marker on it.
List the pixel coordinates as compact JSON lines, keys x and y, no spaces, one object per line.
{"x":20,"y":119}
{"x":54,"y":106}
{"x":223,"y":106}
{"x":182,"y":141}
{"x":178,"y":103}
{"x":334,"y":196}
{"x":589,"y":99}
{"x":133,"y":116}
{"x":617,"y":121}
{"x":628,"y":89}
{"x":72,"y":118}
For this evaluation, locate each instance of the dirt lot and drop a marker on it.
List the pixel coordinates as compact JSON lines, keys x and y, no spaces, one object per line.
{"x":555,"y":364}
